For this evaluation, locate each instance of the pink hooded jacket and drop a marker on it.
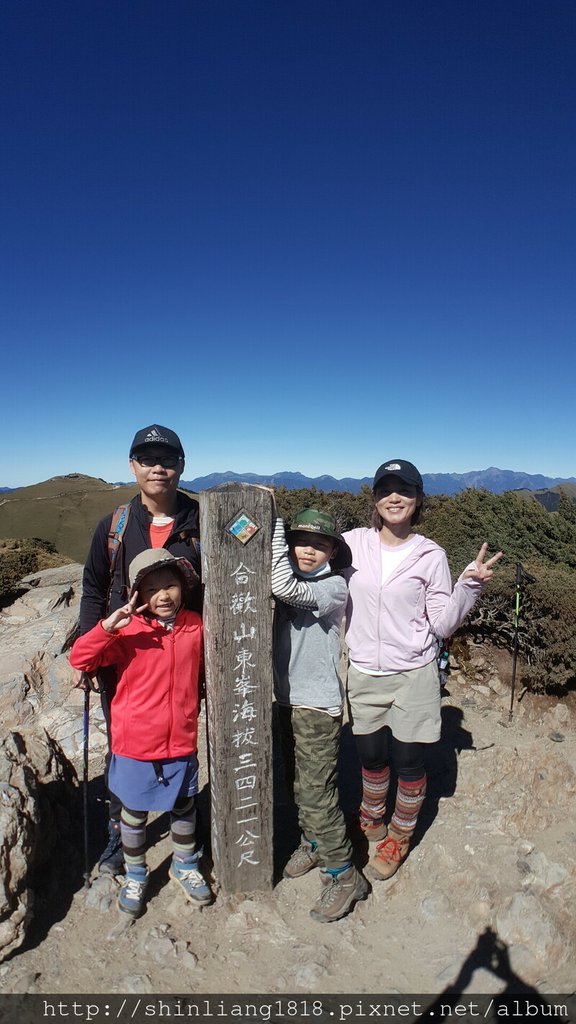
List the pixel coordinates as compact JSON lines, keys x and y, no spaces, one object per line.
{"x":394,"y":626}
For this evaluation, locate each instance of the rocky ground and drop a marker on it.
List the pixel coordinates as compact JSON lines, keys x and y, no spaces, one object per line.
{"x":484,"y":902}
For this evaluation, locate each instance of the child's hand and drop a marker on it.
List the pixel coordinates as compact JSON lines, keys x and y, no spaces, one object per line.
{"x":122,"y":616}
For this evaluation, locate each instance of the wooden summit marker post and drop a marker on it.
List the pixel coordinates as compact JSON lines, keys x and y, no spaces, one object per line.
{"x":236,"y":531}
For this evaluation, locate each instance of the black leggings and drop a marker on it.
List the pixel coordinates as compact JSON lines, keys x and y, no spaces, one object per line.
{"x":378,"y":749}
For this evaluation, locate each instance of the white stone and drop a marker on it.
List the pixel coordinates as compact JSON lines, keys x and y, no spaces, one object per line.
{"x":524,"y":921}
{"x":136,"y":984}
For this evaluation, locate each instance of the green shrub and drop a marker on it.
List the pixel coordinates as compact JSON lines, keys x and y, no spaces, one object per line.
{"x":18,"y":558}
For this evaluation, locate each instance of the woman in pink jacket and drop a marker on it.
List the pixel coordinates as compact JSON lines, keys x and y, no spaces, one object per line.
{"x":401,"y":603}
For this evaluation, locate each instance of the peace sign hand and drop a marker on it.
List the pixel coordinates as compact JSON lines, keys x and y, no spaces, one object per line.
{"x":483,"y":571}
{"x":122,"y":616}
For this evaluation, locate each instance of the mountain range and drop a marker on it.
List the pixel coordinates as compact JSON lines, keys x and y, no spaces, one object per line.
{"x":492,"y":479}
{"x":65,"y":509}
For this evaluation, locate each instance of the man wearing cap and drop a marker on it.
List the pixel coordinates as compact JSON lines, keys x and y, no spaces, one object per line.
{"x":159,"y":516}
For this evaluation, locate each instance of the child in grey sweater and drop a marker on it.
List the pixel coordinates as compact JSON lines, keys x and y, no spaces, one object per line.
{"x":311,"y":598}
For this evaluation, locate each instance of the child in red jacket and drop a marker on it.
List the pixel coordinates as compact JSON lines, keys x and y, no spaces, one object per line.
{"x":156,"y":645}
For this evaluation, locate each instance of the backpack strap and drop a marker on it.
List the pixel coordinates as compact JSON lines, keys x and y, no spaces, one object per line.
{"x":119,"y":523}
{"x":117,"y":526}
{"x":190,"y":539}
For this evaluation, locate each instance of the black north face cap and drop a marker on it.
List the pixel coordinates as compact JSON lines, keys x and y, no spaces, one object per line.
{"x":405,"y":471}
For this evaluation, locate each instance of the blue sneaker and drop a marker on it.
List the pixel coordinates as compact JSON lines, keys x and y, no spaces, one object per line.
{"x":189,"y":878}
{"x":133,"y":891}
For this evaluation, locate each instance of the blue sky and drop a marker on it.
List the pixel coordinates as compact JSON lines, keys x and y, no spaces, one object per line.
{"x":306,"y":234}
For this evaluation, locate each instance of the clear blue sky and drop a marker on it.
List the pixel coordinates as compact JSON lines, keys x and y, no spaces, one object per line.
{"x":306,"y":234}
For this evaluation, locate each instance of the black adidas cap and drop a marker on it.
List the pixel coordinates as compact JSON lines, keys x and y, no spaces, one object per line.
{"x":159,"y":437}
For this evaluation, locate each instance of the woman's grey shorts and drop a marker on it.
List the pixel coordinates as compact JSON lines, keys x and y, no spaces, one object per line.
{"x":407,"y":702}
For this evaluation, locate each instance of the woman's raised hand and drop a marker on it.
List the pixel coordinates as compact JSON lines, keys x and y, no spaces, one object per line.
{"x":483,"y":571}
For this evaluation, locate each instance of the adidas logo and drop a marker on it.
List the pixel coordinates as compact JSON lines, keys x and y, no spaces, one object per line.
{"x":155,"y":435}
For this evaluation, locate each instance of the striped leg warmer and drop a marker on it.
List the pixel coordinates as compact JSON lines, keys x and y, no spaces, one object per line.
{"x":133,"y":832}
{"x":183,"y":829}
{"x":374,"y":792}
{"x":409,"y":800}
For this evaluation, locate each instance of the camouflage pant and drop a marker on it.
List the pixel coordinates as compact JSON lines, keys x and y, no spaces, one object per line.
{"x":310,"y":746}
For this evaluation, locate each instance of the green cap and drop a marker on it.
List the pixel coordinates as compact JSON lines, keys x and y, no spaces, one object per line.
{"x":314,"y":521}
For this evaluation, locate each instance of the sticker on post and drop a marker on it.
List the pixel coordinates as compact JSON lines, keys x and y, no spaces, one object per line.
{"x":243,"y":527}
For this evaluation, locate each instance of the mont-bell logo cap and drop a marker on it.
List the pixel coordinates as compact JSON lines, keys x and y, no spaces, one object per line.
{"x":311,"y":520}
{"x":405,"y":471}
{"x":158,"y":436}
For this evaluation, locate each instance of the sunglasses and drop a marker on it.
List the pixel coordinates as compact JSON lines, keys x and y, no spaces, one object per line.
{"x":166,"y":461}
{"x":405,"y":490}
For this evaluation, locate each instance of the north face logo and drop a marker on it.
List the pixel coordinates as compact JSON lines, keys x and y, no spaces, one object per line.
{"x":393,"y":466}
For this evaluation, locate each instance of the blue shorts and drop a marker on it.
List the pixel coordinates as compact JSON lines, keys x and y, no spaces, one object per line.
{"x":136,"y":784}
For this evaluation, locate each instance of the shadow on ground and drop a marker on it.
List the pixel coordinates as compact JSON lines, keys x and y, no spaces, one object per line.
{"x":489,"y":954}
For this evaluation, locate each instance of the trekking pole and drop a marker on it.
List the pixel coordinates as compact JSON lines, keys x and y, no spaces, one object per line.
{"x":521,"y":576}
{"x":85,"y":734}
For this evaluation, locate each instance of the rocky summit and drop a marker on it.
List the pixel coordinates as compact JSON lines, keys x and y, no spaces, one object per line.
{"x":483,"y":904}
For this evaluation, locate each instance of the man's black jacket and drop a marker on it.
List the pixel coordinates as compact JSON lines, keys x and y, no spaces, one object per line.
{"x":100,"y":594}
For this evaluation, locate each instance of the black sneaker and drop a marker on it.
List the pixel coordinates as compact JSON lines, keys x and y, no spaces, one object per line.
{"x":112,"y":860}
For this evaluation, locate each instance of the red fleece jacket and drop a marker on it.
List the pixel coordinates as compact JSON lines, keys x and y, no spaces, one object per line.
{"x":155,"y":706}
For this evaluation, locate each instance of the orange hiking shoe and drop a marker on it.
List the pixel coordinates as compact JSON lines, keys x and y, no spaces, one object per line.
{"x":388,"y":856}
